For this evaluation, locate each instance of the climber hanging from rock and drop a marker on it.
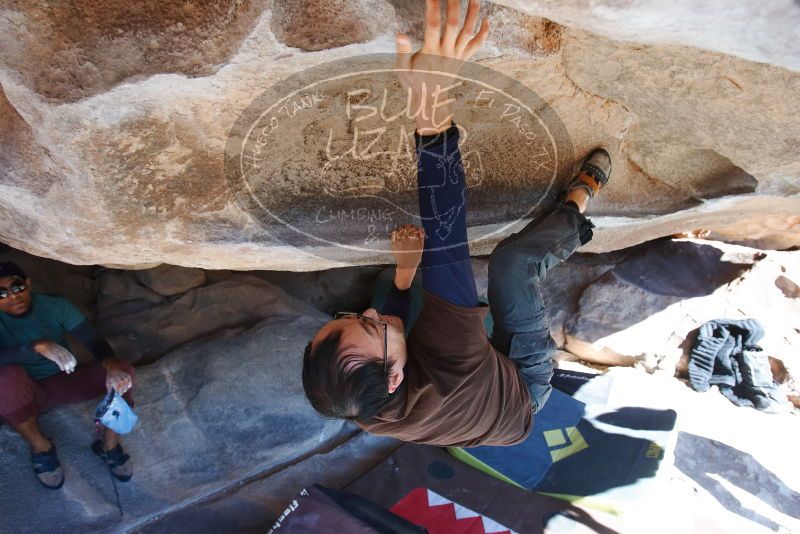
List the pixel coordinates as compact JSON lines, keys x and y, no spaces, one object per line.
{"x":447,"y":384}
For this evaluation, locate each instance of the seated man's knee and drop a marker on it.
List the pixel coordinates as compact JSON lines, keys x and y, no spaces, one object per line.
{"x":12,"y":376}
{"x":16,"y":391}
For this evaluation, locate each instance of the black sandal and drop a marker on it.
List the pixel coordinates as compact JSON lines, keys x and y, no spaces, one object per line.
{"x":116,"y":459}
{"x":48,"y":468}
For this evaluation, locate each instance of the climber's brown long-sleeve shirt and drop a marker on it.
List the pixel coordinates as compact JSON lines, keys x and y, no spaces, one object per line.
{"x":458,"y":390}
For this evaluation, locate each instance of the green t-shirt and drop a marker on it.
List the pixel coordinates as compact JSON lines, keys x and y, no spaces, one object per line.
{"x":49,"y":318}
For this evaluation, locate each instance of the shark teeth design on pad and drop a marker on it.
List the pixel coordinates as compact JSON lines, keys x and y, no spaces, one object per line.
{"x":490,"y":526}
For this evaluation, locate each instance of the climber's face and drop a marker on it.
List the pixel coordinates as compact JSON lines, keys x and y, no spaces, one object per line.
{"x":361,"y":338}
{"x":15,"y":295}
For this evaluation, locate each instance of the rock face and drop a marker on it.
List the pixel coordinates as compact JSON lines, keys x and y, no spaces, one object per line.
{"x":143,"y":325}
{"x":145,"y":335}
{"x":170,"y":280}
{"x":740,"y":29}
{"x":115,"y":117}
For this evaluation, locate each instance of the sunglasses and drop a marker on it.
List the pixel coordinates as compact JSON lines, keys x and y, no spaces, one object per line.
{"x":348,"y":315}
{"x":13,"y":289}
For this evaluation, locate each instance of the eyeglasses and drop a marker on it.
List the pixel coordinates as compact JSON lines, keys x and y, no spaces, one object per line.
{"x":347,"y":315}
{"x":13,"y":289}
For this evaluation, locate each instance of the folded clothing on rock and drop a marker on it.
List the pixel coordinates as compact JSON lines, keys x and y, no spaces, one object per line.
{"x":726,"y":354}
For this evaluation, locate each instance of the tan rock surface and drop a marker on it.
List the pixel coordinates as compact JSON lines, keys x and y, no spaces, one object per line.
{"x":115,"y":119}
{"x":757,"y":31}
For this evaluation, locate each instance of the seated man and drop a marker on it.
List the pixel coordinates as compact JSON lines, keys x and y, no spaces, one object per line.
{"x":447,"y":384}
{"x":37,"y":372}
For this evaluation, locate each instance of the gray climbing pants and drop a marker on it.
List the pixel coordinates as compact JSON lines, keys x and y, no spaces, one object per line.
{"x":517,"y":267}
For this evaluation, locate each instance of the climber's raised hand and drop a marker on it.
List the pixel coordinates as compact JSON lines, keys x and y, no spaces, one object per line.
{"x":457,"y":41}
{"x":408,"y":243}
{"x":430,"y":72}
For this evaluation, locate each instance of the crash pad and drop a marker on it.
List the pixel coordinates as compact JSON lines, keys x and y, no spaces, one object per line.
{"x":526,"y":464}
{"x":605,"y":457}
{"x":421,"y":467}
{"x":440,"y":515}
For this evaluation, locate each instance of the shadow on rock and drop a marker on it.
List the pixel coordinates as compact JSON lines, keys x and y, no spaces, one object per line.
{"x":700,"y":458}
{"x":678,"y":269}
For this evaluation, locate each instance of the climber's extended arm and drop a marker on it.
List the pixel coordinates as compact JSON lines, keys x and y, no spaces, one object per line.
{"x":428,"y":75}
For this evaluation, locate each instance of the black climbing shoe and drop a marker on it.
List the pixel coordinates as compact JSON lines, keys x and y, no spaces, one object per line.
{"x":48,"y":468}
{"x":120,"y":463}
